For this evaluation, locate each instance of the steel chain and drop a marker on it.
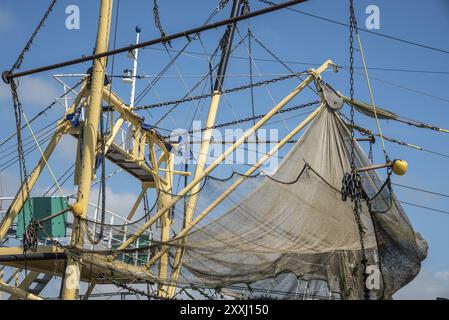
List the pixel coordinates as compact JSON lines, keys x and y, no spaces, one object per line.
{"x":222,"y":4}
{"x":248,"y":119}
{"x":270,"y":3}
{"x":157,"y":21}
{"x":352,"y":25}
{"x":27,"y":47}
{"x":356,"y":188}
{"x":18,"y":118}
{"x":260,"y":116}
{"x":30,"y":236}
{"x":207,"y":95}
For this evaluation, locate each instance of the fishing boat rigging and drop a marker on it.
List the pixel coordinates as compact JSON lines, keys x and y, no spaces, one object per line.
{"x":325,"y":224}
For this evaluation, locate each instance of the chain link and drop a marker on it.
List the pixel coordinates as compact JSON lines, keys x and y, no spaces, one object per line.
{"x":370,"y":153}
{"x":222,"y":4}
{"x":22,"y":163}
{"x":210,"y":73}
{"x":30,"y":236}
{"x":270,"y":3}
{"x":246,"y":7}
{"x":27,"y":47}
{"x":352,"y":182}
{"x":224,"y":38}
{"x":134,"y":290}
{"x":157,"y":21}
{"x":351,"y":187}
{"x":260,"y":116}
{"x":207,"y":95}
{"x":352,"y":26}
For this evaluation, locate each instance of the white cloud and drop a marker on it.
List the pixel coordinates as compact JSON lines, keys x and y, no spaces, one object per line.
{"x":119,"y":203}
{"x":443,"y":275}
{"x":5,"y":93}
{"x":7,"y":20}
{"x":33,"y":92}
{"x":66,"y":149}
{"x":426,"y":286}
{"x":9,"y":184}
{"x":36,"y":92}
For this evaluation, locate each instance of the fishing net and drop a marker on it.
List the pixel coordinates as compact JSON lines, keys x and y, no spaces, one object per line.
{"x":294,"y":225}
{"x":289,"y":235}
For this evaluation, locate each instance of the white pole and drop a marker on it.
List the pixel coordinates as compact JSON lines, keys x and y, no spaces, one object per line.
{"x":66,"y":104}
{"x":135,"y":55}
{"x":110,"y":233}
{"x":95,"y":226}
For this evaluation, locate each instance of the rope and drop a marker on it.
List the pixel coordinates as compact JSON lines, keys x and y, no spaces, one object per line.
{"x":405,"y":70}
{"x":182,"y":34}
{"x":14,"y":159}
{"x":352,"y":182}
{"x":18,"y":112}
{"x":172,"y":61}
{"x":42,"y":154}
{"x":424,"y":207}
{"x":422,"y":190}
{"x":152,"y":279}
{"x":259,"y":116}
{"x":283,"y":63}
{"x":393,"y":140}
{"x":253,"y":107}
{"x":210,"y":73}
{"x":22,"y":167}
{"x":351,"y":78}
{"x":17,"y":65}
{"x":41,"y":113}
{"x":371,"y":95}
{"x":157,"y":21}
{"x":59,"y":179}
{"x":363,"y":30}
{"x":42,"y":138}
{"x":231,"y":90}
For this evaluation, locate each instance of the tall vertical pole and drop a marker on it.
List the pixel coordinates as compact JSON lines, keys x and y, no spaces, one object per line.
{"x":207,"y":135}
{"x":90,"y":139}
{"x":166,"y":221}
{"x":135,"y":56}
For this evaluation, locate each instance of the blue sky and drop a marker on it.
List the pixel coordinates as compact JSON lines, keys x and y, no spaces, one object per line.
{"x":293,"y":37}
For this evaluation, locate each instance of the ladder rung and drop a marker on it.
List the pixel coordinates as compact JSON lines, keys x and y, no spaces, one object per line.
{"x":40,"y":281}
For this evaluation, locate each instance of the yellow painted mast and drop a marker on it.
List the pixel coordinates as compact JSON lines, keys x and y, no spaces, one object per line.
{"x":90,"y":139}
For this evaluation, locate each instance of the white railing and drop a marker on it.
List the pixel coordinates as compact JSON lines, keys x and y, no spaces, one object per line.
{"x":125,"y":134}
{"x":118,"y":229}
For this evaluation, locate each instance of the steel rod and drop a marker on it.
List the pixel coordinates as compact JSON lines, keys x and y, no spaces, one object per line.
{"x":7,"y":77}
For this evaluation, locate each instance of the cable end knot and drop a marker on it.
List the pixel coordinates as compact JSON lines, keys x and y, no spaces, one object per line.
{"x":6,"y":77}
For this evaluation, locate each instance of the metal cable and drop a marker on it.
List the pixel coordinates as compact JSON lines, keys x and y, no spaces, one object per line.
{"x":18,"y":64}
{"x":207,"y":95}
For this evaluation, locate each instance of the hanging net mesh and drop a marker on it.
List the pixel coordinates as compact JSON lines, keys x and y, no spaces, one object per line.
{"x":291,"y":236}
{"x":294,"y":223}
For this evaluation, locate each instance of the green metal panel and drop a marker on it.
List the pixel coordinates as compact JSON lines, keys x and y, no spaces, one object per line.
{"x":130,"y":258}
{"x":44,"y":207}
{"x":144,"y":241}
{"x":116,"y":241}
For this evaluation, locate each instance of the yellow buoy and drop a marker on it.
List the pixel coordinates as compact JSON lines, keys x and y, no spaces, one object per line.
{"x":400,"y":167}
{"x":77,"y":209}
